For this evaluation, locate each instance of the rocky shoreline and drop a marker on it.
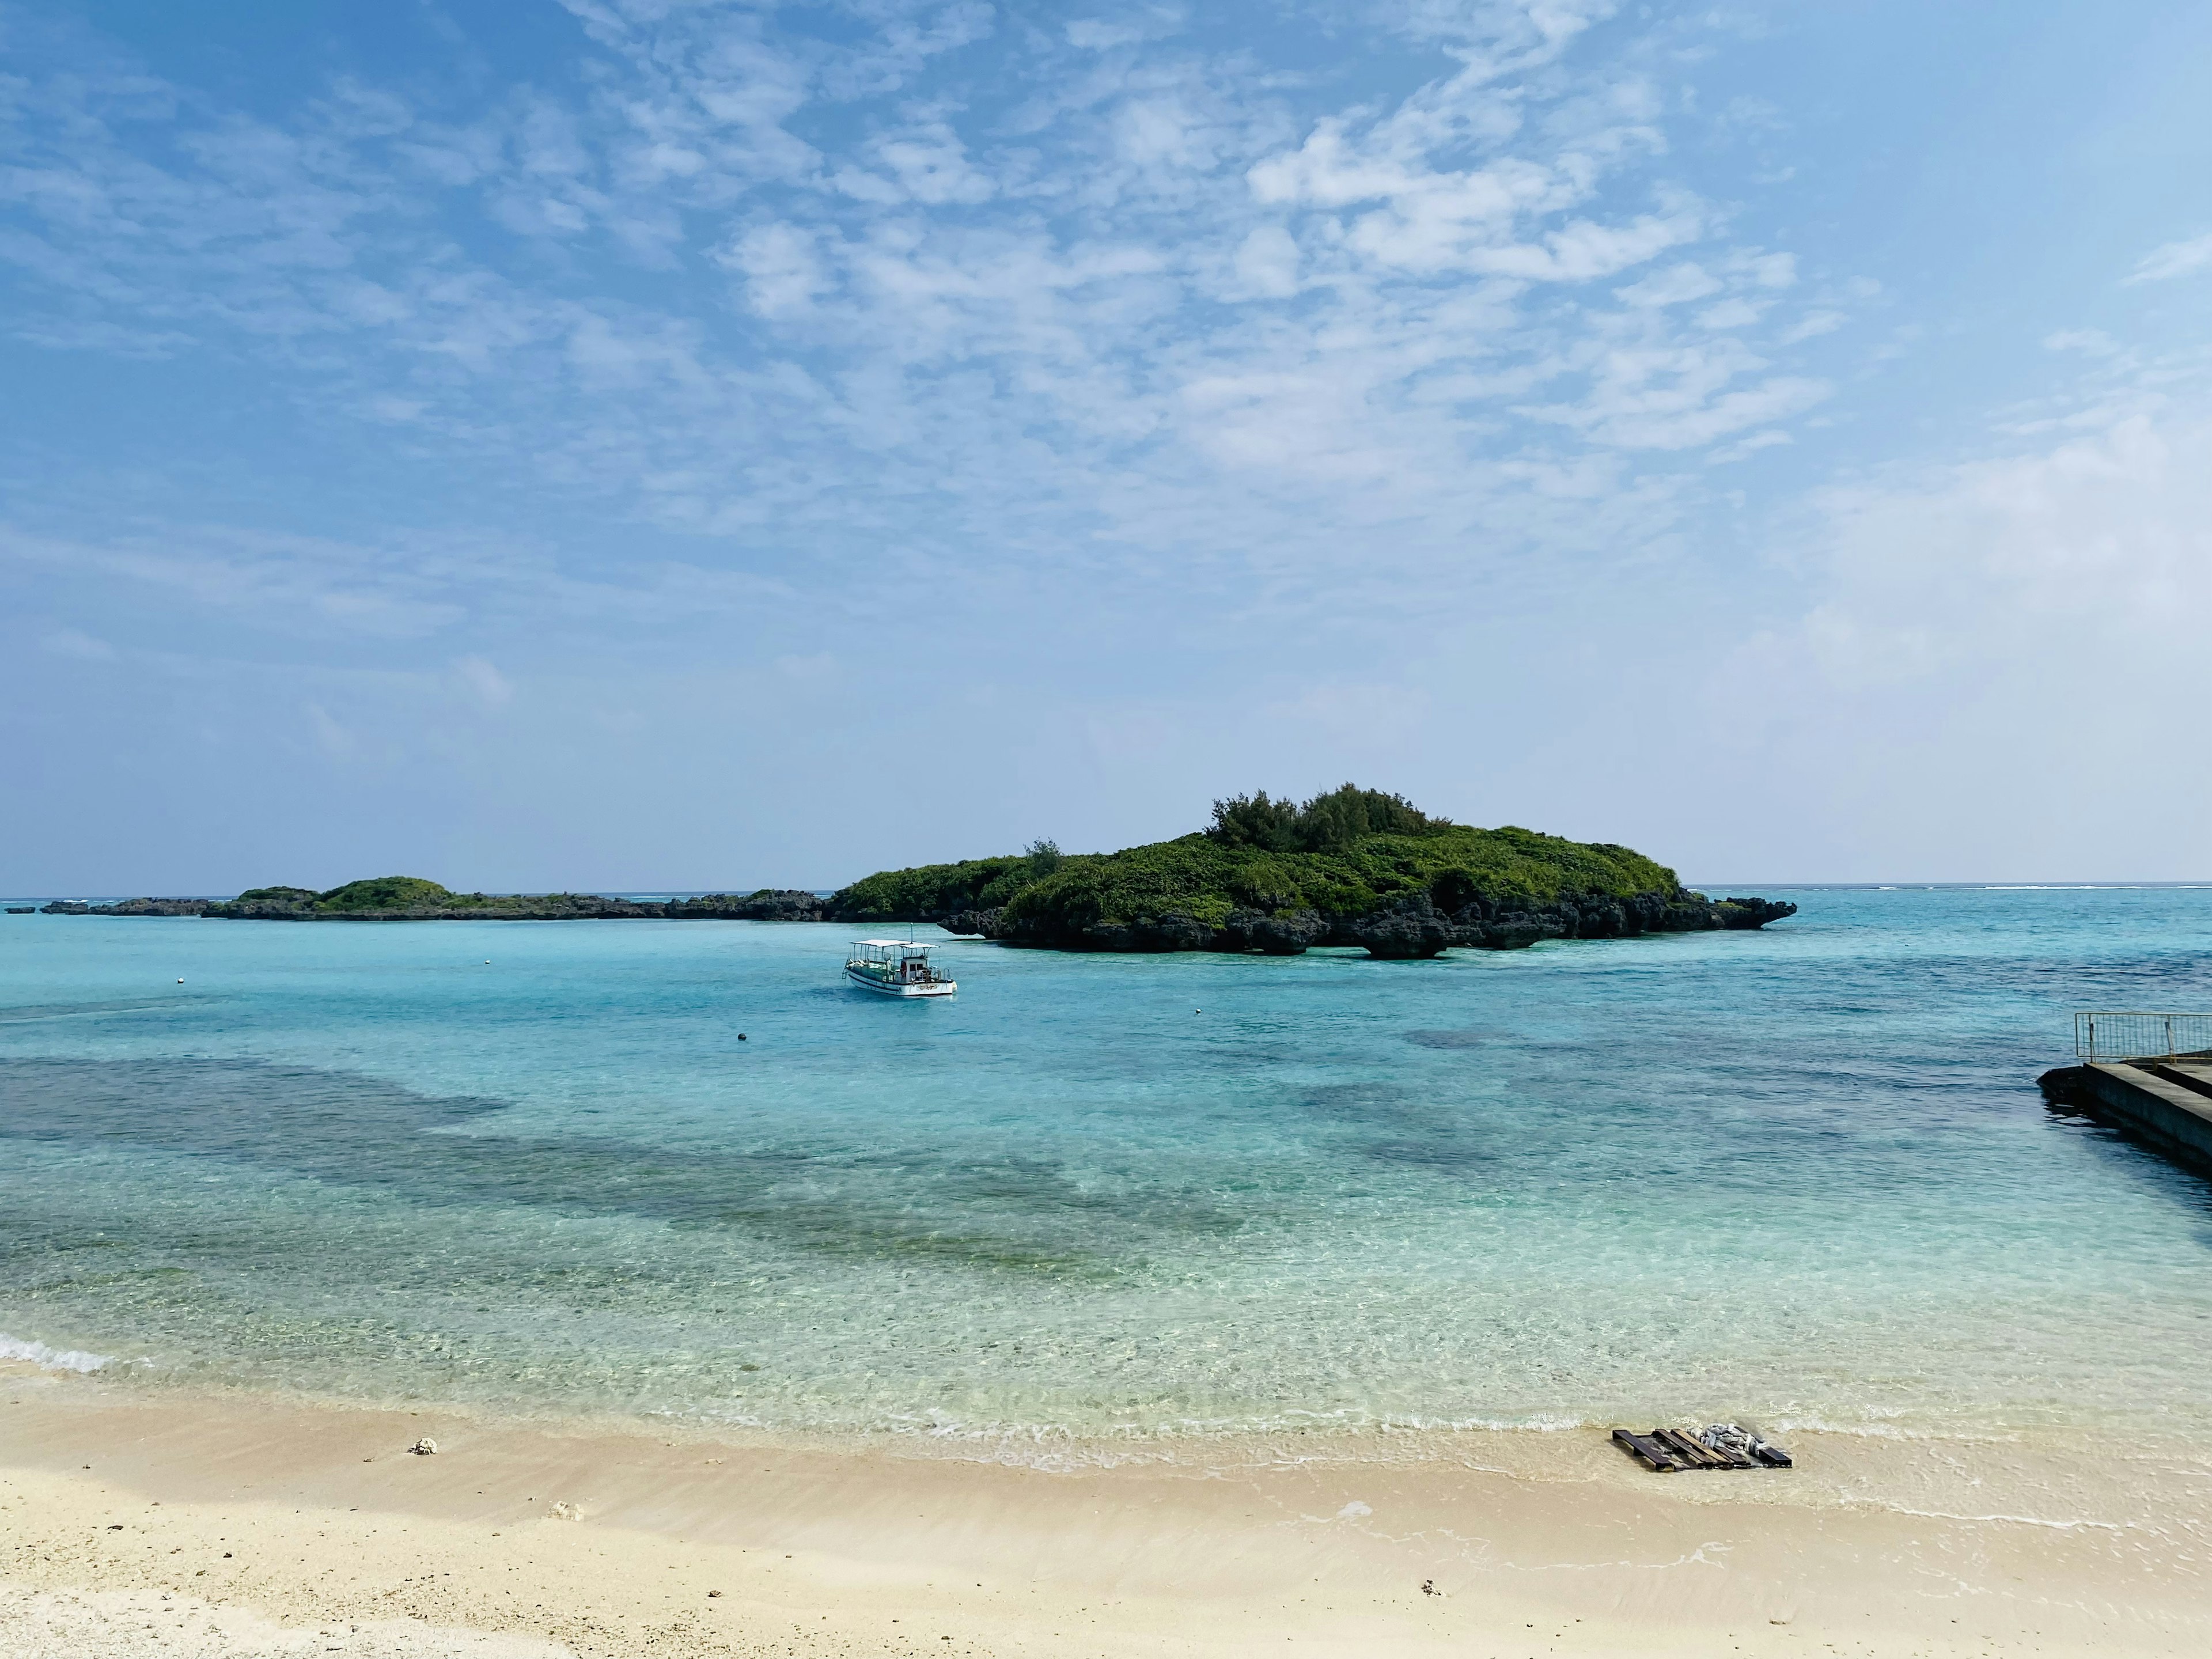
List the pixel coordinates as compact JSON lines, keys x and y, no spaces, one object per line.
{"x":1408,"y":928}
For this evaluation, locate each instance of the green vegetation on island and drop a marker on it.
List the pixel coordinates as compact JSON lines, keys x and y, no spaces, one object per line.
{"x":1352,"y":866}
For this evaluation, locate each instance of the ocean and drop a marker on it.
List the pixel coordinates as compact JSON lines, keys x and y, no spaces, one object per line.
{"x":682,"y":1171}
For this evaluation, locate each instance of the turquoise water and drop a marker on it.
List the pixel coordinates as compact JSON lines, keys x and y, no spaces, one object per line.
{"x":1802,"y":1176}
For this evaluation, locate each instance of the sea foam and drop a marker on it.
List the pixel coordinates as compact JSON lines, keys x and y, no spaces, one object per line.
{"x":52,"y":1359}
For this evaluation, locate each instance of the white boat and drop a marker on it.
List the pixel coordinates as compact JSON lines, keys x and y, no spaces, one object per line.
{"x":897,"y":968}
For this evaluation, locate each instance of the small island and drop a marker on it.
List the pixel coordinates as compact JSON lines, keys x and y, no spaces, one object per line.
{"x":411,"y":898}
{"x":1353,"y":867}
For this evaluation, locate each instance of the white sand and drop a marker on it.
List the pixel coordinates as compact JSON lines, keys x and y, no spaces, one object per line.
{"x":127,"y":1624}
{"x":241,"y":1526}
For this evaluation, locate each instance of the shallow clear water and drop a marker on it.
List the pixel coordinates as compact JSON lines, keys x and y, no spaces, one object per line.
{"x":1802,"y":1176}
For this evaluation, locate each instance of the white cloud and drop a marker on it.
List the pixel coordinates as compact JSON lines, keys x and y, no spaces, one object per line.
{"x":1435,"y":219}
{"x":287,"y":583}
{"x":2089,"y":342}
{"x":1268,"y":262}
{"x":1743,"y":448}
{"x":1733,"y":312}
{"x":908,"y":38}
{"x":1990,"y":648}
{"x":335,"y":741}
{"x":1671,"y":396}
{"x":1160,"y":131}
{"x":633,"y":353}
{"x":482,"y":683}
{"x":927,"y":163}
{"x":782,"y":267}
{"x":1134,"y":28}
{"x":816,"y":669}
{"x":1501,"y":37}
{"x":2105,"y":535}
{"x":1673,"y":286}
{"x":73,"y":642}
{"x":1774,"y":271}
{"x":1327,"y":171}
{"x":2183,"y":259}
{"x":116,"y":339}
{"x":1812,"y":325}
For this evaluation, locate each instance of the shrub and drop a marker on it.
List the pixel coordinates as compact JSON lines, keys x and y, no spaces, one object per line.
{"x":1326,"y":823}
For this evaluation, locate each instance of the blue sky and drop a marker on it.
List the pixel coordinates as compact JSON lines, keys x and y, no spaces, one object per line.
{"x":632,"y":443}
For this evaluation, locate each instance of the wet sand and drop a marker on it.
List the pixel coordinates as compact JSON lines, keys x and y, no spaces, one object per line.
{"x":134,"y":1524}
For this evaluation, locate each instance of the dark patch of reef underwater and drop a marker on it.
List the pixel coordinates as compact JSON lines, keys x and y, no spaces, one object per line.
{"x":1353,"y":867}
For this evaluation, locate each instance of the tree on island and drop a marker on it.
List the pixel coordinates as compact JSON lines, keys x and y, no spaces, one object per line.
{"x":1326,"y":823}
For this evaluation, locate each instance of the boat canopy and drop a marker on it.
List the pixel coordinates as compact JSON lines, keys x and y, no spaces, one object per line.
{"x":893,"y":945}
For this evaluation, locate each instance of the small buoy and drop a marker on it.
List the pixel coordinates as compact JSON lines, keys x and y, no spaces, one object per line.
{"x":741,"y":1036}
{"x":487,"y":962}
{"x":180,"y":982}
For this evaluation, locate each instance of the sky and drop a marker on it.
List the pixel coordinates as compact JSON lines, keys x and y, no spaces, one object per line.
{"x":643,"y":444}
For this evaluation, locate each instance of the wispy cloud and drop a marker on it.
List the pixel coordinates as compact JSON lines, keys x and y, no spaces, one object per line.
{"x":741,"y":286}
{"x":2183,"y":258}
{"x":74,"y":642}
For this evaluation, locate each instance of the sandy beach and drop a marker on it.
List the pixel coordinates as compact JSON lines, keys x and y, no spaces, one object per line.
{"x":133,"y":1523}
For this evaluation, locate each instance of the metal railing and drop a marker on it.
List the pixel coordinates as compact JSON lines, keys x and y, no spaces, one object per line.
{"x":2141,"y":1035}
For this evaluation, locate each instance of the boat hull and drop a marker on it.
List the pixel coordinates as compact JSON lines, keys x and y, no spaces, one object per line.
{"x":942,"y":988}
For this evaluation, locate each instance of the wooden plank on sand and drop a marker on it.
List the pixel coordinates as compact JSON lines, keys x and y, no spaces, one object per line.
{"x":1695,"y":1453}
{"x":1650,"y":1450}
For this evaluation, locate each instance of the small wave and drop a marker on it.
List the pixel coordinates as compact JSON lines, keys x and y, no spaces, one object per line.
{"x":1286,"y":1436}
{"x":52,"y":1359}
{"x":2055,"y":1523}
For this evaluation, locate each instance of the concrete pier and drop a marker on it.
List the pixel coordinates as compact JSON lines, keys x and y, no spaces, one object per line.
{"x":2166,"y":1103}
